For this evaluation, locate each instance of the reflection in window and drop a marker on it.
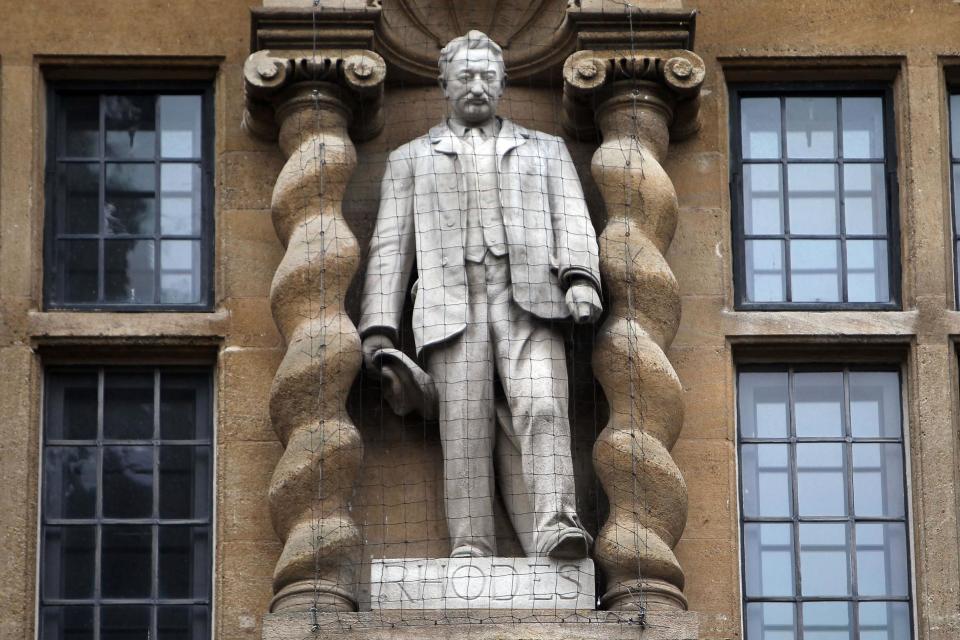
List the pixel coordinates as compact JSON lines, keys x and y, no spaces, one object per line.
{"x":129,"y":216}
{"x":126,"y":536}
{"x":825,"y":546}
{"x":955,"y":175}
{"x":814,"y":205}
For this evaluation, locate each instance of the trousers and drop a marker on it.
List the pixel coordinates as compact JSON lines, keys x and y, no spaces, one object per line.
{"x":527,"y":430}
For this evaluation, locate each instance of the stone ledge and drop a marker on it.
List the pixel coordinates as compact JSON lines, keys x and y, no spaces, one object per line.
{"x":482,"y":625}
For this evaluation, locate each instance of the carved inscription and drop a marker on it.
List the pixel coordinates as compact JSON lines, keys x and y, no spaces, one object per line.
{"x":482,"y":583}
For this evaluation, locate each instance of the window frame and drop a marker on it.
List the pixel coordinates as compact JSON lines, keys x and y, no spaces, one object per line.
{"x":155,"y":601}
{"x":851,"y":519}
{"x":953,"y":165}
{"x":738,"y":91}
{"x":57,"y":89}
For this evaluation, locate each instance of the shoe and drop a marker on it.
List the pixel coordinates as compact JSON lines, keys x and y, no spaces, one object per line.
{"x":571,"y":544}
{"x":467,"y":551}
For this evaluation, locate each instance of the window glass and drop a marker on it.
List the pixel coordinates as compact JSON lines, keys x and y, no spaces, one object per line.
{"x":814,"y":203}
{"x":128,"y":208}
{"x":823,"y":504}
{"x":126,"y":519}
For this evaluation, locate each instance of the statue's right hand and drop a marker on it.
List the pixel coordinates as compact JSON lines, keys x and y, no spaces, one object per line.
{"x":371,"y":345}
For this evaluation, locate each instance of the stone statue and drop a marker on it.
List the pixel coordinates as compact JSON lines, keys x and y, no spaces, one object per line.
{"x":494,"y":217}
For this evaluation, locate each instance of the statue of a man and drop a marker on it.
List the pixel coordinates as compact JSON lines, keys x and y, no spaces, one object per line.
{"x":494,"y":217}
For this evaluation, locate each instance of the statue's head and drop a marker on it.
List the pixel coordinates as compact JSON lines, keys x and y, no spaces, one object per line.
{"x":472,"y":76}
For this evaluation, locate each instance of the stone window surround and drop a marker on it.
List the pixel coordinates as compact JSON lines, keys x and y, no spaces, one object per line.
{"x":834,"y":82}
{"x":176,"y":354}
{"x":776,"y":355}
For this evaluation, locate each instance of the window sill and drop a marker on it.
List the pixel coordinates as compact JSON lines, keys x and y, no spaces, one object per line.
{"x":81,"y":327}
{"x":833,"y":325}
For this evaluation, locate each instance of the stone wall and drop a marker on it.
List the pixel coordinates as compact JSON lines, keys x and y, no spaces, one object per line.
{"x":908,"y":44}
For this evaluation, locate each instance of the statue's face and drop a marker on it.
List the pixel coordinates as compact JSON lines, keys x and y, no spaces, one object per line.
{"x":473,"y":85}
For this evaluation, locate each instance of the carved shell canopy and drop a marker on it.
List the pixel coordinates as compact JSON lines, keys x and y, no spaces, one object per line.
{"x":528,"y":31}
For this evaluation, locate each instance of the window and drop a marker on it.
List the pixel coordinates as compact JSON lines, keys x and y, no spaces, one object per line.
{"x":955,"y":172}
{"x":126,"y":511}
{"x":129,"y":221}
{"x":823,"y":506}
{"x":813,"y":188}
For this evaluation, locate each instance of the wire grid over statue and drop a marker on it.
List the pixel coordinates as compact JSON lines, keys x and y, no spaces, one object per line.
{"x":487,"y":379}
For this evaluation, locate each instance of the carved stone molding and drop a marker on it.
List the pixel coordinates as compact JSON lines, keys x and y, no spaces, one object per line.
{"x":639,"y":101}
{"x":309,"y":102}
{"x":356,"y":76}
{"x":536,"y":35}
{"x":592,"y":77}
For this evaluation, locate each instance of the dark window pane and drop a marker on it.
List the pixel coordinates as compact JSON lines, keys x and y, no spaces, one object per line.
{"x":760,"y":127}
{"x":864,"y":199}
{"x":878,"y":480}
{"x":184,"y":398}
{"x":765,"y":274}
{"x":762,"y":199}
{"x":813,"y":199}
{"x":768,"y":549}
{"x":71,"y":406}
{"x":131,"y":126}
{"x":68,"y":562}
{"x":80,"y":117}
{"x":180,"y":271}
{"x":821,"y":481}
{"x":129,"y":266}
{"x":125,"y":623}
{"x":815,"y":270}
{"x":184,"y":561}
{"x":824,"y":559}
{"x":125,"y":561}
{"x":180,"y":118}
{"x":128,"y":406}
{"x":130,"y":199}
{"x":183,"y":623}
{"x":79,"y":264}
{"x":79,"y":197}
{"x":811,"y":127}
{"x":184,"y":482}
{"x":766,"y":480}
{"x":818,"y":404}
{"x":770,"y":621}
{"x":882,"y":559}
{"x":956,"y":195}
{"x":955,"y":125}
{"x":875,"y":404}
{"x":70,"y":482}
{"x":867,"y":279}
{"x":884,"y":620}
{"x":763,"y":405}
{"x":180,"y":198}
{"x":826,"y":621}
{"x":66,"y":623}
{"x":862,"y":127}
{"x":127,"y":482}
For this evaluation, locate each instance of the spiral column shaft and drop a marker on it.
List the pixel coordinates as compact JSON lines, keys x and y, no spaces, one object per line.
{"x":634,"y":112}
{"x":313,"y":102}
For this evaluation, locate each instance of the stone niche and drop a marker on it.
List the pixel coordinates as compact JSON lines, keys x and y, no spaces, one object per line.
{"x":358,"y":492}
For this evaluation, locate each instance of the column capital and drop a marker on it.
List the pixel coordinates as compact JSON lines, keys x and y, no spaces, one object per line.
{"x":666,"y":79}
{"x":354,"y":76}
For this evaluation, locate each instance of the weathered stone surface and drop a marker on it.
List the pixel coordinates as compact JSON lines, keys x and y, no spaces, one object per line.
{"x":481,"y":583}
{"x":493,"y":624}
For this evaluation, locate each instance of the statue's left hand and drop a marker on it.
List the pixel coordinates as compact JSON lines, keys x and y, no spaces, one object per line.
{"x":584,"y":302}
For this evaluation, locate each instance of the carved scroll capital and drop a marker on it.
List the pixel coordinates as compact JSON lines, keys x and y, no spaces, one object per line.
{"x":668,"y":79}
{"x":270,"y":78}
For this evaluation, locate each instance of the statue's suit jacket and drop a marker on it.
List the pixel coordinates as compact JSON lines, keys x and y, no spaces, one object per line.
{"x":423,"y":211}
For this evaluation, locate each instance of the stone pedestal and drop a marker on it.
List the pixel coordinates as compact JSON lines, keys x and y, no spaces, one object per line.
{"x":495,"y":624}
{"x":481,"y":583}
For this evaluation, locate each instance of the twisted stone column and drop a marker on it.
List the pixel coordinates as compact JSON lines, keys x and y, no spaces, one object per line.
{"x":314,"y":100}
{"x":637,"y":100}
